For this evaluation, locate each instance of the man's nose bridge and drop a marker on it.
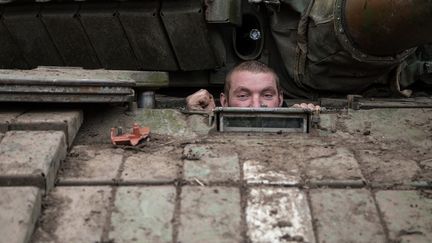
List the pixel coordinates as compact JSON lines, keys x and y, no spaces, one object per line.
{"x":256,"y":101}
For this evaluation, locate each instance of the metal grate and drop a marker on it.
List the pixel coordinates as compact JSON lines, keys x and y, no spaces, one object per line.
{"x":230,"y":119}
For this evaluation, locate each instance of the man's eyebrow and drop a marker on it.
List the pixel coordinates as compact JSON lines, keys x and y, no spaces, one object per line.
{"x":270,"y":88}
{"x":240,"y":89}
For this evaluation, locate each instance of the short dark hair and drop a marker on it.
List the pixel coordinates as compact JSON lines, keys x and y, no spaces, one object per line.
{"x":253,"y":67}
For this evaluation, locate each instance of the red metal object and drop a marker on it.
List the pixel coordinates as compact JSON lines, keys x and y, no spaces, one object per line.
{"x":138,"y":134}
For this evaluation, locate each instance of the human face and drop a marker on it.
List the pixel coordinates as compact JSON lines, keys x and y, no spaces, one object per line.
{"x":248,"y":89}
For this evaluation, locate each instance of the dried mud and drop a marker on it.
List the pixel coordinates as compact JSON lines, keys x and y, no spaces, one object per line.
{"x":395,"y":160}
{"x":53,"y":207}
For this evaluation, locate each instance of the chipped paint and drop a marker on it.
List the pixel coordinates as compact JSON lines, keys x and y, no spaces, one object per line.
{"x":256,"y":173}
{"x":278,"y":215}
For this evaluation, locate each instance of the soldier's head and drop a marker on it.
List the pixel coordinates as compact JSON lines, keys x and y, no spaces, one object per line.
{"x":252,"y":84}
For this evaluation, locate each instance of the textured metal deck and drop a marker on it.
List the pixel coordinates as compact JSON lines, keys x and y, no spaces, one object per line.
{"x":364,"y":176}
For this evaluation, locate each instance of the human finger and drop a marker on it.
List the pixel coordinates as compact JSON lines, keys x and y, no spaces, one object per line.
{"x":311,"y":106}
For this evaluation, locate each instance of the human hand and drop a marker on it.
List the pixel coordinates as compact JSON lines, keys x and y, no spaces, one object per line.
{"x":201,"y":100}
{"x":309,"y":106}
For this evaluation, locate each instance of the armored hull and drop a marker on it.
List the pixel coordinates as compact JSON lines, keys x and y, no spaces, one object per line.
{"x":316,"y":47}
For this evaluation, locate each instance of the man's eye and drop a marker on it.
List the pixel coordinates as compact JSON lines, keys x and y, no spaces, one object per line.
{"x":242,"y":96}
{"x":268,"y":96}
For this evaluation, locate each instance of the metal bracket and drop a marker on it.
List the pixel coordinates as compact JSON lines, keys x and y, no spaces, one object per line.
{"x":273,"y":2}
{"x":357,"y":102}
{"x":233,"y":119}
{"x":68,"y":85}
{"x":136,"y":136}
{"x":428,"y":67}
{"x":353,"y":101}
{"x":223,"y":11}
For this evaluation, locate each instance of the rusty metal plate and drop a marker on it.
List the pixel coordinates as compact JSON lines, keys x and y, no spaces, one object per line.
{"x":75,"y":85}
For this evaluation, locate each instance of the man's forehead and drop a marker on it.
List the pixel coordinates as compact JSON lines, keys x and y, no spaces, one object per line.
{"x":245,"y":77}
{"x":248,"y":88}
